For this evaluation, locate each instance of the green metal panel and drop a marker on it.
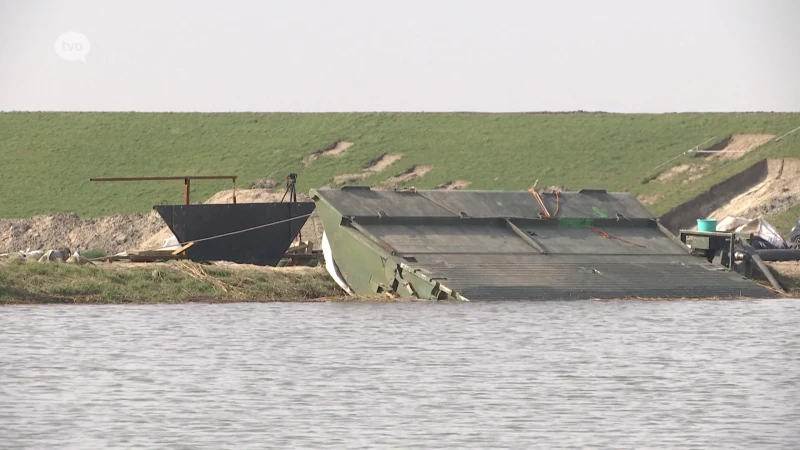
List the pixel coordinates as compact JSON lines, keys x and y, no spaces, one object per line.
{"x":367,"y":266}
{"x":699,"y":242}
{"x":361,"y":265}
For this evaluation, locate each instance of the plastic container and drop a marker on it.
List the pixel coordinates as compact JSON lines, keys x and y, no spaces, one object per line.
{"x":706,"y":225}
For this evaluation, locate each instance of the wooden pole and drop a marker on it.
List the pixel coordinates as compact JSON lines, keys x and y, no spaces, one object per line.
{"x":186,"y":186}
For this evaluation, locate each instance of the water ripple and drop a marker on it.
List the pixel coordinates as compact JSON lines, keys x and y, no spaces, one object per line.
{"x":552,"y":375}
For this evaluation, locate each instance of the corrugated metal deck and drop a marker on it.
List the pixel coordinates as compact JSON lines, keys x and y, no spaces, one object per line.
{"x":489,"y":262}
{"x":493,"y":245}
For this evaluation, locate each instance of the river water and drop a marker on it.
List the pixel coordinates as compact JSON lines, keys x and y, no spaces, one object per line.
{"x":550,"y":375}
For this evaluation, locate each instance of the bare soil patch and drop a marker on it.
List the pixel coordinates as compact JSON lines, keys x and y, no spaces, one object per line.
{"x":383,"y":162}
{"x":350,"y":178}
{"x":694,"y":171}
{"x":776,"y":194}
{"x":737,"y":145}
{"x":377,"y":165}
{"x":409,"y":174}
{"x":454,"y":185}
{"x":649,"y":199}
{"x":336,"y":149}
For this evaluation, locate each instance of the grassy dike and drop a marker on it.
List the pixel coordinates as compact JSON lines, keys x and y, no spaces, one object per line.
{"x":50,"y":156}
{"x":38,"y":283}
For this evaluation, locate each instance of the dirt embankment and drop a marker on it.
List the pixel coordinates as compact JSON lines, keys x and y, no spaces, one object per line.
{"x":111,"y":233}
{"x":767,"y":188}
{"x":778,"y":192}
{"x":737,"y":145}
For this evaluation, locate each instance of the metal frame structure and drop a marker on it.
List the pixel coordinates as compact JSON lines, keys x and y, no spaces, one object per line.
{"x":717,"y":247}
{"x":736,"y":252}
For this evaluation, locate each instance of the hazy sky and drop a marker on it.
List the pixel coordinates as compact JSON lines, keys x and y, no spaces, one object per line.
{"x":410,"y":55}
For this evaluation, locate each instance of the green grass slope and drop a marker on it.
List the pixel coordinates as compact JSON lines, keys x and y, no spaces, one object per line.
{"x":48,"y":158}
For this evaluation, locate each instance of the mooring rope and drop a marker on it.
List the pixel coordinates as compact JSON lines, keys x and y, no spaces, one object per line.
{"x":226,"y":234}
{"x":246,"y":229}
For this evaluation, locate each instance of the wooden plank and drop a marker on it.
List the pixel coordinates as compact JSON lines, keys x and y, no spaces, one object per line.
{"x":178,"y":251}
{"x":298,"y":248}
{"x":150,"y":253}
{"x":154,"y":258}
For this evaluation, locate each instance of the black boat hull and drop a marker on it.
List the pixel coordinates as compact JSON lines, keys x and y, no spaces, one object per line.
{"x":259,"y":245}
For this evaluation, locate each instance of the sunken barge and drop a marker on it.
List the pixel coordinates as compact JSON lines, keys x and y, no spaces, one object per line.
{"x":243,"y":233}
{"x":511,"y":245}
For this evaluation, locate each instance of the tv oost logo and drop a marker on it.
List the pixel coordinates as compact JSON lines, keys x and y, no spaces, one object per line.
{"x":72,"y":46}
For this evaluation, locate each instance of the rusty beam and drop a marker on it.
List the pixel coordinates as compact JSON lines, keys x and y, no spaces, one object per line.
{"x":187,"y":180}
{"x":193,"y":177}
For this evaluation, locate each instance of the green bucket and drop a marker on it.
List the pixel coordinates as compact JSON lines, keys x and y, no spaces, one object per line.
{"x":706,"y":225}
